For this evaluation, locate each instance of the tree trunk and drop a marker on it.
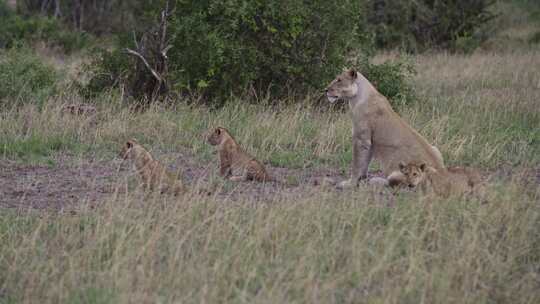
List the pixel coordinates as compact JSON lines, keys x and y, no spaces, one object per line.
{"x":12,"y":4}
{"x":44,"y":7}
{"x":57,"y":12}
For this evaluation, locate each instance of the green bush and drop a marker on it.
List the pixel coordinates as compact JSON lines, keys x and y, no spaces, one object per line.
{"x":418,"y":25}
{"x":392,"y":79}
{"x":227,"y":46}
{"x":277,"y":47}
{"x":107,"y":69}
{"x":15,"y":28}
{"x":24,"y":77}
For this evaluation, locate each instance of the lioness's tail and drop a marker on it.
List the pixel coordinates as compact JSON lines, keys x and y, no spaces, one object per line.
{"x":395,"y":179}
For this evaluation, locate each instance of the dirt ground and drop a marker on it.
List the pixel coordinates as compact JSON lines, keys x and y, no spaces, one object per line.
{"x":73,"y":181}
{"x":58,"y":186}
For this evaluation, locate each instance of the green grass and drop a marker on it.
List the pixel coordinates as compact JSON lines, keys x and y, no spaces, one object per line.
{"x":24,"y":77}
{"x":35,"y":149}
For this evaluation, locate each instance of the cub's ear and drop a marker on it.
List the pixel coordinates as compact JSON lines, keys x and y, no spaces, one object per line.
{"x":130,"y":143}
{"x":353,"y":74}
{"x":402,"y":165}
{"x":218,"y":131}
{"x":423,"y":167}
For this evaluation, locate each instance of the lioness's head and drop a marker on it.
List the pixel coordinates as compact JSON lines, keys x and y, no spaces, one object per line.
{"x":215,"y":136}
{"x":128,"y":149}
{"x":344,"y":86}
{"x":414,"y":174}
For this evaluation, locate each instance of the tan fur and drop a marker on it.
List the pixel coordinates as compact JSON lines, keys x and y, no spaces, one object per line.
{"x":458,"y":181}
{"x":154,"y":175}
{"x":233,"y":158}
{"x":378,"y":132}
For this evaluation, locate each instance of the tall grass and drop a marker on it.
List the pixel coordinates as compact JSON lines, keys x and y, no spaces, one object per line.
{"x":324,"y":248}
{"x":479,"y":110}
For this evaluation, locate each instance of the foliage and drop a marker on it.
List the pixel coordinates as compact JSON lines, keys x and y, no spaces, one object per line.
{"x":224,"y":48}
{"x":24,"y":77}
{"x":418,"y":25}
{"x":229,"y":46}
{"x":15,"y":28}
{"x":393,"y":80}
{"x":107,"y":69}
{"x":94,"y":16}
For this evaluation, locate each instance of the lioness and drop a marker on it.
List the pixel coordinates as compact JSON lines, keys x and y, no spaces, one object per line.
{"x":378,"y":132}
{"x":233,"y":157}
{"x":452,"y":181}
{"x":154,"y":175}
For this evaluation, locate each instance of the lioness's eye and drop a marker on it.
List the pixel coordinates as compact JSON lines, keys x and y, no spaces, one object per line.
{"x":339,"y":80}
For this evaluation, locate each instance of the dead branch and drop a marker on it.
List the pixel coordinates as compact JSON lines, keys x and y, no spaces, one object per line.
{"x":154,"y":73}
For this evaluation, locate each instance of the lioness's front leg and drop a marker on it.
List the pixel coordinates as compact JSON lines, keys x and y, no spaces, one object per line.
{"x":225,"y":171}
{"x":362,"y":154}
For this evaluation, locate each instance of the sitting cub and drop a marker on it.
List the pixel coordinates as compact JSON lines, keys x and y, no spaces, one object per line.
{"x":233,"y":157}
{"x":154,"y":175}
{"x":452,"y":181}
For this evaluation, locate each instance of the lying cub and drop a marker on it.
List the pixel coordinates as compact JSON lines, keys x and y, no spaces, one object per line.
{"x":452,"y":181}
{"x":233,"y":158}
{"x":154,"y":175}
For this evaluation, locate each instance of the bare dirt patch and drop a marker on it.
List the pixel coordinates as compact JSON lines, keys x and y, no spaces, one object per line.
{"x":73,"y":181}
{"x":67,"y":182}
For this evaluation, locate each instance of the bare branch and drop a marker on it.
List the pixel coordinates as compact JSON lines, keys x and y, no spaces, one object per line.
{"x":165,"y":50}
{"x":156,"y":75}
{"x":135,"y":40}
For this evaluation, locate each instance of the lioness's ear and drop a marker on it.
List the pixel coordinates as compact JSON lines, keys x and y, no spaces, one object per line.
{"x":218,"y":131}
{"x":353,"y":74}
{"x":402,"y":165}
{"x":423,"y":167}
{"x":129,"y":144}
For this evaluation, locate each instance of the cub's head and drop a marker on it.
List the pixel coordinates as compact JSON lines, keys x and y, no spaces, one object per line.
{"x":344,"y":86}
{"x":128,"y":150}
{"x":216,"y":136}
{"x":414,"y":174}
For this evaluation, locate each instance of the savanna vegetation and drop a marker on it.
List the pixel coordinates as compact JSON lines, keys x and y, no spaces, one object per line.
{"x":76,"y":228}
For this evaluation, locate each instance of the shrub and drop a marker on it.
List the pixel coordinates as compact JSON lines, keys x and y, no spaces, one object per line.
{"x":278,"y":47}
{"x":96,"y":16}
{"x":418,"y":25}
{"x":392,"y":79}
{"x":225,"y":47}
{"x":15,"y":28}
{"x":107,"y":69}
{"x":24,"y":77}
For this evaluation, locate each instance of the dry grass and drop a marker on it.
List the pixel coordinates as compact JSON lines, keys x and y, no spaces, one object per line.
{"x":487,"y":105}
{"x":328,"y":247}
{"x":325,"y":247}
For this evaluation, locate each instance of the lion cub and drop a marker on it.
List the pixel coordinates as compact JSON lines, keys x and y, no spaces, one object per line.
{"x":453,"y":181}
{"x":233,"y":157}
{"x":154,"y":175}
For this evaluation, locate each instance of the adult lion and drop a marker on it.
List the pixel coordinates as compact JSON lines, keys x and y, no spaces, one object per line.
{"x":378,"y":132}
